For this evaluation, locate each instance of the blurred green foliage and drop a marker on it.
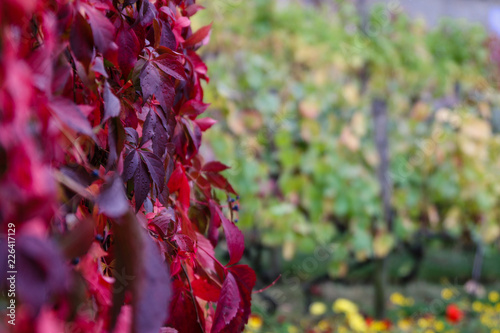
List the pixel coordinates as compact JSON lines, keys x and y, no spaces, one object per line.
{"x":292,"y":88}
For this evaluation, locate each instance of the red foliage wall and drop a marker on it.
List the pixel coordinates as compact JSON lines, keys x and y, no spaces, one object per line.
{"x":107,"y":209}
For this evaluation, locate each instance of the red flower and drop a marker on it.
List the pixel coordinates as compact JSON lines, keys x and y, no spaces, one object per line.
{"x":454,"y":314}
{"x":388,"y":324}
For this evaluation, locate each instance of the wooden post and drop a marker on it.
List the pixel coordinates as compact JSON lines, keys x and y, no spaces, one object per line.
{"x":380,"y":121}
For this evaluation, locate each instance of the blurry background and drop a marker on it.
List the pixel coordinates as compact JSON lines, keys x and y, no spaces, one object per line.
{"x":296,"y":87}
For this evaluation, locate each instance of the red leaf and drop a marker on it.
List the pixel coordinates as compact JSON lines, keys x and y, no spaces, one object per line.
{"x":129,"y":49}
{"x":199,"y":36}
{"x":227,"y":305}
{"x":184,"y":309}
{"x":170,"y":65}
{"x":205,"y":123}
{"x":205,"y":290}
{"x":214,"y":167}
{"x":219,"y":181}
{"x":215,"y":222}
{"x":234,"y":238}
{"x":245,"y":277}
{"x":179,"y":182}
{"x":193,"y":108}
{"x":184,"y":243}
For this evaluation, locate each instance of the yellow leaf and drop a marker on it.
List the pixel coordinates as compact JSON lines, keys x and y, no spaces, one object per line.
{"x":348,"y":139}
{"x":383,"y":244}
{"x":476,"y":129}
{"x":351,"y":94}
{"x":358,"y":124}
{"x":288,"y":250}
{"x":309,"y":109}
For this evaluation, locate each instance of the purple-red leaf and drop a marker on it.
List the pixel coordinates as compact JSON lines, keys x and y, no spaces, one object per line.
{"x":102,"y":29}
{"x":71,"y":115}
{"x":112,"y":200}
{"x":155,"y":168}
{"x":142,"y":184}
{"x":130,"y":164}
{"x":148,"y":130}
{"x":147,"y":12}
{"x":140,"y":269}
{"x":112,"y":106}
{"x":154,"y":82}
{"x":42,"y":272}
{"x":81,"y":40}
{"x":132,"y":135}
{"x":167,"y":37}
{"x":129,"y":49}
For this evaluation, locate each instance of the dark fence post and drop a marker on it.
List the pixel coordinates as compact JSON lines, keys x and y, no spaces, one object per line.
{"x":380,"y":121}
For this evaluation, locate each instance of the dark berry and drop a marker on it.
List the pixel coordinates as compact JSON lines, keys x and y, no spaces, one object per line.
{"x":237,"y":197}
{"x":75,"y":261}
{"x":236,"y":208}
{"x":99,"y":238}
{"x":232,"y":200}
{"x":235,"y":220}
{"x":95,"y":173}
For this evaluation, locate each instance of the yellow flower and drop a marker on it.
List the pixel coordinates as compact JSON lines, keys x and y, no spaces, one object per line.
{"x":439,"y":326}
{"x":378,"y":326}
{"x":343,"y":329}
{"x":357,"y":322}
{"x":344,"y":305}
{"x":495,"y":331}
{"x":398,"y":299}
{"x":255,"y":321}
{"x":446,"y":293}
{"x":423,"y":323}
{"x":497,"y":307}
{"x":404,"y":324}
{"x":493,"y":296}
{"x":293,"y":329}
{"x":323,"y":325}
{"x":429,"y":331}
{"x":410,"y":301}
{"x":477,"y":306}
{"x":317,"y":308}
{"x":486,"y":320}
